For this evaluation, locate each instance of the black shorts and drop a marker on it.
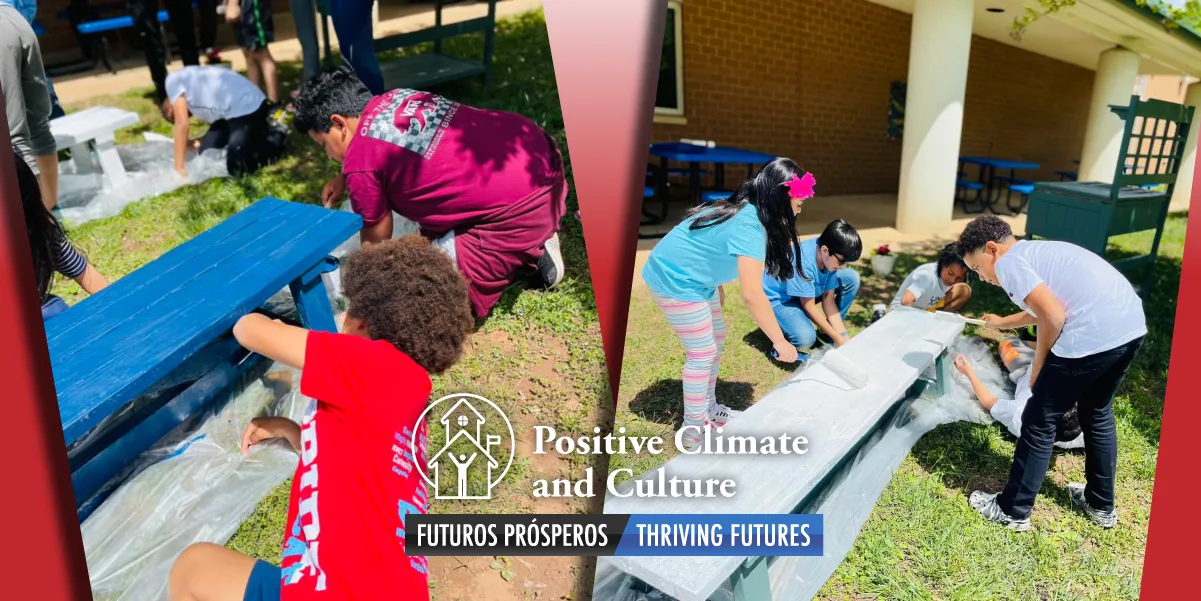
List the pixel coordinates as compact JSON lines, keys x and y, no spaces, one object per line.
{"x":256,"y":28}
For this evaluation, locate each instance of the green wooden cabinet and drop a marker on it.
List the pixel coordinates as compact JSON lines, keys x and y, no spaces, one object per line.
{"x":1088,"y":214}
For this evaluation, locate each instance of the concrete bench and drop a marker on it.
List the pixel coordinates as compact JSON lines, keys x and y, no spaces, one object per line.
{"x":144,"y":355}
{"x":94,"y":128}
{"x":897,"y":350}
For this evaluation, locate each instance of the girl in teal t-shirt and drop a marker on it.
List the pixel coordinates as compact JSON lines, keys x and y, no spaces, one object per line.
{"x":734,"y":239}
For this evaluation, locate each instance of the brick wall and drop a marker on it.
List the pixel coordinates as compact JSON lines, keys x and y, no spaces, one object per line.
{"x":811,"y":81}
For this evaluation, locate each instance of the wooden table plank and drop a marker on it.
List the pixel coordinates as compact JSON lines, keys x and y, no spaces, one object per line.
{"x":114,"y":368}
{"x":813,"y":403}
{"x":113,"y":302}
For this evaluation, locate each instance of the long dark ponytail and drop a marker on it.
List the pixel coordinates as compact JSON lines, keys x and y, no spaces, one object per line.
{"x":767,"y":192}
{"x":45,"y":232}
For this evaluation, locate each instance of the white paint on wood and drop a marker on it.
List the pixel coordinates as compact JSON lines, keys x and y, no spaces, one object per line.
{"x":814,"y":403}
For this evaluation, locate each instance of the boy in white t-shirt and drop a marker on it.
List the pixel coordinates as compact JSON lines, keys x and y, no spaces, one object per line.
{"x":939,"y":286}
{"x":240,"y":118}
{"x":1090,"y":324}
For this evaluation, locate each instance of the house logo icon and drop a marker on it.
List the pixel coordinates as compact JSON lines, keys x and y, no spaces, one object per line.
{"x":467,"y":462}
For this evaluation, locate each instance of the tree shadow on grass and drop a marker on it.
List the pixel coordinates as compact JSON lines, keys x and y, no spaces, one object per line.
{"x":662,"y":402}
{"x":961,"y":456}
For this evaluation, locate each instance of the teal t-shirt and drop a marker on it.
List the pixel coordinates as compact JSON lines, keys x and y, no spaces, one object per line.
{"x":689,"y":265}
{"x":820,"y":280}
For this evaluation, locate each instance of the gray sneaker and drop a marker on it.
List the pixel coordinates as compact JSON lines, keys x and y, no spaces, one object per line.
{"x":986,"y":505}
{"x":1104,"y":519}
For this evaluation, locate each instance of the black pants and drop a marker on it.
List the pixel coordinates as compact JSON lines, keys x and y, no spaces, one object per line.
{"x":146,"y":26}
{"x":249,"y":141}
{"x":1089,"y":383}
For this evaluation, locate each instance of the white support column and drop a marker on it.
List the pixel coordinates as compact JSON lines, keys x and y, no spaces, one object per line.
{"x":1184,"y":179}
{"x":1113,"y":84}
{"x":939,"y":48}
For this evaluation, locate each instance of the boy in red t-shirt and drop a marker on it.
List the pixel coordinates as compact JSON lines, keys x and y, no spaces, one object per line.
{"x":408,"y":316}
{"x":489,"y":186}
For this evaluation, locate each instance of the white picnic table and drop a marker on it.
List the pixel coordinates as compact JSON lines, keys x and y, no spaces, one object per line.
{"x":813,"y":402}
{"x":94,"y":127}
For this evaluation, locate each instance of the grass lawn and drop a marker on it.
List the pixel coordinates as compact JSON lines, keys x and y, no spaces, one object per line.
{"x":539,"y":356}
{"x":923,"y":541}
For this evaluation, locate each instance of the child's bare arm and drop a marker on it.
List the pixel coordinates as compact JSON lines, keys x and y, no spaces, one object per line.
{"x":273,"y":339}
{"x":380,"y":231}
{"x":268,"y":428}
{"x":91,"y":280}
{"x":982,"y":392}
{"x":838,"y":329}
{"x":180,"y":131}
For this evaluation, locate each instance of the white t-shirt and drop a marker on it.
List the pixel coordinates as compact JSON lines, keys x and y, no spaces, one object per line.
{"x":1102,"y":311}
{"x":1009,"y":413}
{"x":215,"y":93}
{"x":925,"y":284}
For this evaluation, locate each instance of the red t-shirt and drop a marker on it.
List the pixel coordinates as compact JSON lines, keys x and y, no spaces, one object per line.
{"x":444,"y":165}
{"x":345,"y":538}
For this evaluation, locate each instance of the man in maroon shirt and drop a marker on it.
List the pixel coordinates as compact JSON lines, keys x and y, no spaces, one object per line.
{"x":488,"y":186}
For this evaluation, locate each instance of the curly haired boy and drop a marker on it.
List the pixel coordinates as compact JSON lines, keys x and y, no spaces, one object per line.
{"x":408,"y":317}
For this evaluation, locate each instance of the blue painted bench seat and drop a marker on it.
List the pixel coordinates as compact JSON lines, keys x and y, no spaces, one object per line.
{"x":648,"y":192}
{"x":968,"y":185}
{"x":1023,"y":189}
{"x":715,"y":195}
{"x":142,"y":356}
{"x":114,"y":23}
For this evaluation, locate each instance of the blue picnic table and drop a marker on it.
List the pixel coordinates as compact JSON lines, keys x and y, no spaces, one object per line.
{"x":988,"y":185}
{"x":150,"y":351}
{"x":694,"y":155}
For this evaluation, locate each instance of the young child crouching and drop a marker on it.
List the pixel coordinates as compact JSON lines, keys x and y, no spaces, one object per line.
{"x":407,"y":318}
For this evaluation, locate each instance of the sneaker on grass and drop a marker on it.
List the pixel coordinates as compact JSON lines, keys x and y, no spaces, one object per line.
{"x":550,"y":265}
{"x":720,"y":414}
{"x":986,"y":505}
{"x":1104,"y":519}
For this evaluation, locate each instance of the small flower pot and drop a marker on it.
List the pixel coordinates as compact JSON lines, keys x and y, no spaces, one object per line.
{"x":882,"y":264}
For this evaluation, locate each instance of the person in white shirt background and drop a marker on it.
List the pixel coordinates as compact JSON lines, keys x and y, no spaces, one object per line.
{"x":938,"y":286}
{"x":238,"y":113}
{"x":1090,"y":325}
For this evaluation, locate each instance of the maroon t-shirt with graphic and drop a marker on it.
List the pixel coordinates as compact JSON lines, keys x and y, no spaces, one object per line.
{"x":442,"y":164}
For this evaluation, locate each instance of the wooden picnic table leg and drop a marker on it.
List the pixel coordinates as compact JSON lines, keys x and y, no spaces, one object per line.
{"x":312,"y":300}
{"x":81,"y":154}
{"x":750,"y":581}
{"x":110,"y":160}
{"x":943,"y":381}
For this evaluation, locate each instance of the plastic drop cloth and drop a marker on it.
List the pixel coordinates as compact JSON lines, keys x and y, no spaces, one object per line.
{"x":150,"y":167}
{"x":195,"y":486}
{"x":848,"y":498}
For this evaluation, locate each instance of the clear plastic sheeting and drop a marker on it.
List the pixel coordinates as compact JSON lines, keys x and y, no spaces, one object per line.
{"x":333,"y":280}
{"x":195,"y":486}
{"x":850,"y":495}
{"x":150,"y":168}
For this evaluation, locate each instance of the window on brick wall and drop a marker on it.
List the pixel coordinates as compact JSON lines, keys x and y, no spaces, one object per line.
{"x":669,"y":97}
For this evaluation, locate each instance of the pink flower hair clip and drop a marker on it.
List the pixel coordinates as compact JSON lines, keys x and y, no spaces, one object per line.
{"x":801,"y":187}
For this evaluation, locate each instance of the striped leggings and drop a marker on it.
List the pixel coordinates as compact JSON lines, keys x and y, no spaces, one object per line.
{"x":702,"y":329}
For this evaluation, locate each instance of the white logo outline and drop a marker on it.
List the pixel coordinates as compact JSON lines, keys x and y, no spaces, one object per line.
{"x":433,"y":460}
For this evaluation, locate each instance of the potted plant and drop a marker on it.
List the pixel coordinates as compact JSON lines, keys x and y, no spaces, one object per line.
{"x":883,"y":261}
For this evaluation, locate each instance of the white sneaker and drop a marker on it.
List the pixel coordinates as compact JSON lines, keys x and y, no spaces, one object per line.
{"x":550,"y":266}
{"x":720,"y":414}
{"x":692,"y":438}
